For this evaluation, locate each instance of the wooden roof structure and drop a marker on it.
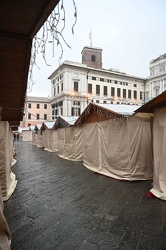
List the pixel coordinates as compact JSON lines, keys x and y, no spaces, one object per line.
{"x":96,"y":113}
{"x":19,"y":22}
{"x":157,"y":102}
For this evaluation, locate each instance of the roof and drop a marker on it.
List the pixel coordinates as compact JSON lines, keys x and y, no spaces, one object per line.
{"x":37,"y":126}
{"x":96,"y":112}
{"x":82,"y":66}
{"x":122,"y":109}
{"x":37,"y":99}
{"x":47,"y":125}
{"x":155,"y":103}
{"x":19,"y":22}
{"x":65,"y":121}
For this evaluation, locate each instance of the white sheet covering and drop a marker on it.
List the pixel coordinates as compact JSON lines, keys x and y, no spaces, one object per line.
{"x":159,"y":151}
{"x":121,"y":151}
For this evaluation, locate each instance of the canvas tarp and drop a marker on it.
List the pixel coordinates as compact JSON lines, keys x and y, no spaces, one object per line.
{"x":34,"y":138}
{"x":48,"y":140}
{"x":26,"y":135}
{"x":73,"y":149}
{"x":40,"y":139}
{"x":159,"y":151}
{"x":61,"y":141}
{"x":55,"y":140}
{"x":5,"y":235}
{"x":7,"y":178}
{"x":119,"y":150}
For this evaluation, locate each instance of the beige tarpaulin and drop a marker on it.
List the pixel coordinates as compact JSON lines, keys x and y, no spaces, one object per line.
{"x":26,"y":135}
{"x":34,"y":138}
{"x":159,"y":151}
{"x":73,"y":149}
{"x":5,"y":235}
{"x":61,"y":141}
{"x":119,"y":150}
{"x":48,"y":140}
{"x":55,"y":140}
{"x":7,"y":178}
{"x":40,"y":139}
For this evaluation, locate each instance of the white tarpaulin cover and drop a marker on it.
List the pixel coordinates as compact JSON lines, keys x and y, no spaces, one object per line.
{"x":7,"y":178}
{"x":73,"y":149}
{"x":119,"y":150}
{"x":5,"y":236}
{"x":159,"y":151}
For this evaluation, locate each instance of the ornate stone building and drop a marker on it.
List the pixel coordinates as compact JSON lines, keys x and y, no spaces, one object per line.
{"x":74,"y":85}
{"x":156,"y":82}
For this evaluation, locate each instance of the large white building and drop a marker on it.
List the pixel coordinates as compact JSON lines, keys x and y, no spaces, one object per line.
{"x":74,"y":85}
{"x":156,"y":82}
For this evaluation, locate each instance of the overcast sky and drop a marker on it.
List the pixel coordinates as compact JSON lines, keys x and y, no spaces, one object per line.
{"x":130,"y":32}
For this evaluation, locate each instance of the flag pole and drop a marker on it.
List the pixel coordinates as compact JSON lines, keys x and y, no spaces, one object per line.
{"x":90,"y":37}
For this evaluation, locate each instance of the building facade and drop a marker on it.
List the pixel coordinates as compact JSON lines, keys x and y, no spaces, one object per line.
{"x":37,"y":110}
{"x":156,"y":82}
{"x":74,"y":85}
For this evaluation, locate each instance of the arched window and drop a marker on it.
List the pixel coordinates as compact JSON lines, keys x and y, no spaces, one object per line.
{"x":93,"y":58}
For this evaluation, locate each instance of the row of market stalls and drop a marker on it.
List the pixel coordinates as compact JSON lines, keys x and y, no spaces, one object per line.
{"x":126,"y":142}
{"x":108,"y":138}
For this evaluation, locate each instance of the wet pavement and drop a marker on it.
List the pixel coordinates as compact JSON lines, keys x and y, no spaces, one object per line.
{"x":59,"y":204}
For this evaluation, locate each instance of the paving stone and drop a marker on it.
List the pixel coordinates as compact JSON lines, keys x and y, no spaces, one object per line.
{"x":59,"y":204}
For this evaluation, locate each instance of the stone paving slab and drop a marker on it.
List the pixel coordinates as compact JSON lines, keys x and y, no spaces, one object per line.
{"x":59,"y":204}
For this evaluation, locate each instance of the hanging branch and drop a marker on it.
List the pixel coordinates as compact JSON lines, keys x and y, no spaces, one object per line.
{"x":50,"y":29}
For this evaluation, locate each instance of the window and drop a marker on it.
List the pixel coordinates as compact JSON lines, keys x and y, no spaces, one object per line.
{"x":37,"y":106}
{"x":75,"y":111}
{"x":45,"y":116}
{"x":29,"y":116}
{"x":61,"y":103}
{"x":97,"y":101}
{"x":93,"y":78}
{"x":115,"y":82}
{"x":135,"y":94}
{"x":135,"y":85}
{"x":29,"y":105}
{"x":104,"y":101}
{"x":38,"y":117}
{"x":97,"y":89}
{"x":58,"y":89}
{"x":45,"y":106}
{"x":141,"y":95}
{"x":62,"y":86}
{"x":124,"y":93}
{"x":101,"y":79}
{"x":129,"y":93}
{"x":112,"y":91}
{"x":118,"y":92}
{"x":89,"y":88}
{"x":105,"y":90}
{"x":76,"y":86}
{"x":76,"y":103}
{"x":93,"y":58}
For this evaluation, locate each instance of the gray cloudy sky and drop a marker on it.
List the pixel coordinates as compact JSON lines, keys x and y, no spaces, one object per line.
{"x":130,"y":32}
